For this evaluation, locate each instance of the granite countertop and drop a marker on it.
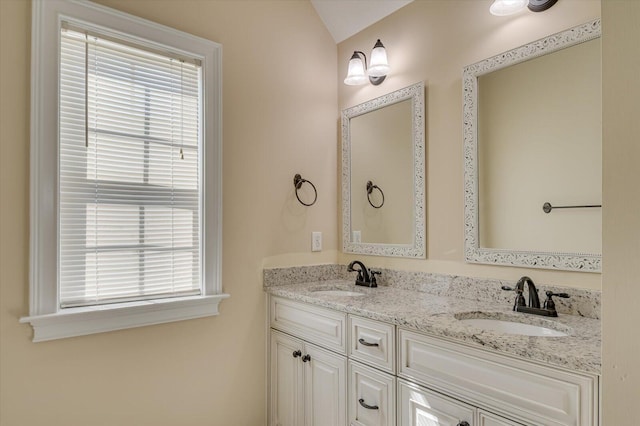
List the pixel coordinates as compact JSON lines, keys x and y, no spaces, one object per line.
{"x":438,"y":315}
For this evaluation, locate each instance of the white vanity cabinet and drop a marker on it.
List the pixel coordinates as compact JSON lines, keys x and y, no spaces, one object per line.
{"x":307,"y":383}
{"x":330,"y":368}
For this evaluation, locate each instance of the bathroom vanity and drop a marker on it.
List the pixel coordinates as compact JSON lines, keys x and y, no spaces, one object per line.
{"x":433,"y":350}
{"x":346,"y":355}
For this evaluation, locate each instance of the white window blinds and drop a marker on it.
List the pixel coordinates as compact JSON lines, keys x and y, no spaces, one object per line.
{"x":130,"y":179}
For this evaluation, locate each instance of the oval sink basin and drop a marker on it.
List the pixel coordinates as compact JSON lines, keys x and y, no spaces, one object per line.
{"x":510,"y":327}
{"x":337,"y":293}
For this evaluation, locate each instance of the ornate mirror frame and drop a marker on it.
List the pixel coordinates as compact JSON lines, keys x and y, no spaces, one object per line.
{"x":473,"y":252}
{"x":417,"y":249}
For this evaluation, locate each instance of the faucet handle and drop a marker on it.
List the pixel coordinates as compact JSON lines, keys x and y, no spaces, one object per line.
{"x":549,"y":304}
{"x":519,"y":297}
{"x":563,"y":295}
{"x":373,"y":277}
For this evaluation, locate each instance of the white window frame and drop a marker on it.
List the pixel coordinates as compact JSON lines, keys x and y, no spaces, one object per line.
{"x":46,"y":317}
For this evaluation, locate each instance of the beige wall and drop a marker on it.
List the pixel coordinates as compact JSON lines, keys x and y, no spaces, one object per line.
{"x":621,"y":216}
{"x":432,"y":41}
{"x":280,"y":118}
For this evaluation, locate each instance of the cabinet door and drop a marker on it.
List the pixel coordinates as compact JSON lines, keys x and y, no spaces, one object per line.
{"x":372,"y":397}
{"x":325,"y":383}
{"x":418,"y":406}
{"x":286,"y":402}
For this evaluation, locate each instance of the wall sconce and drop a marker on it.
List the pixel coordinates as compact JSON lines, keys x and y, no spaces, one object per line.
{"x":509,"y":7}
{"x":377,"y":71}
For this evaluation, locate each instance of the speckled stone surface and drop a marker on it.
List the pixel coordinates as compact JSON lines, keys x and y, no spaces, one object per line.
{"x":583,"y":302}
{"x":303,"y":274}
{"x":438,"y":315}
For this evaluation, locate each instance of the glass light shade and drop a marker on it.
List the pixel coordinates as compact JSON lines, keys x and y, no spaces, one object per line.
{"x":507,"y":7}
{"x":379,"y":66}
{"x":355,"y":74}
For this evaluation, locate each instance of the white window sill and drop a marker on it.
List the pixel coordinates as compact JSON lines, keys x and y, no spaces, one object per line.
{"x":72,"y":322}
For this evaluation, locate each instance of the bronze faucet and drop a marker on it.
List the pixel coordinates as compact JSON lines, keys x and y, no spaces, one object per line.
{"x":549,"y":308}
{"x":366,"y":277}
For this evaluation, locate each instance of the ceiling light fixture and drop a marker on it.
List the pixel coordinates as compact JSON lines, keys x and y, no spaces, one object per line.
{"x":509,"y":7}
{"x":540,"y":5}
{"x":377,"y":71}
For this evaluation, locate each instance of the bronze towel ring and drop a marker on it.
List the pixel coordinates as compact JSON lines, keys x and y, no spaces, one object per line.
{"x":297,"y":183}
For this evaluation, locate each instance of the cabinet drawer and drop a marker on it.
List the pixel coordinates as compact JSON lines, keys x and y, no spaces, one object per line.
{"x":317,"y":325}
{"x":526,"y":392}
{"x":419,"y":406}
{"x":490,"y":419}
{"x":372,"y":342}
{"x":372,"y":397}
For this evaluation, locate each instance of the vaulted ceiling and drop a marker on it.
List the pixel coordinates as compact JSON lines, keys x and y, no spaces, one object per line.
{"x":344,"y":18}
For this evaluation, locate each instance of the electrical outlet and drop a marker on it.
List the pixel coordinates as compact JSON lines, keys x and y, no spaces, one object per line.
{"x":356,"y":237}
{"x":316,"y":241}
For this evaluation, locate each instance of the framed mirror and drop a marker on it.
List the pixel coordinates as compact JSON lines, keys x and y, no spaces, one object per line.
{"x":383,"y":175}
{"x":532,"y":154}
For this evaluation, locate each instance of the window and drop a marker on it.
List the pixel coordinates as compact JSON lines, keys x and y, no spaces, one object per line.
{"x":135,"y":170}
{"x":129,"y":204}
